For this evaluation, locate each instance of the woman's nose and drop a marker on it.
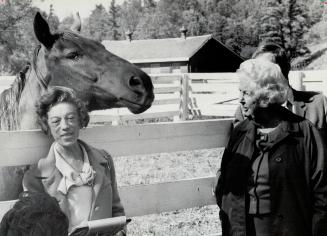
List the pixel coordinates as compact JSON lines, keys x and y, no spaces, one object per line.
{"x":64,"y":124}
{"x":241,"y":97}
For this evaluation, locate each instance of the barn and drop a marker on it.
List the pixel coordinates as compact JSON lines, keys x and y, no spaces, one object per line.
{"x":176,"y":55}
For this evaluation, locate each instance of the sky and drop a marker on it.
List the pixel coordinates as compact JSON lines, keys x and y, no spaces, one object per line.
{"x":63,"y":8}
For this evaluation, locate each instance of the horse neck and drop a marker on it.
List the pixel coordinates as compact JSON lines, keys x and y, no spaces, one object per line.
{"x":34,"y":87}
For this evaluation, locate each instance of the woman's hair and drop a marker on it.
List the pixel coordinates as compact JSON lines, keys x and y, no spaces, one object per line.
{"x":265,"y":81}
{"x":279,"y":54}
{"x":35,"y":214}
{"x":54,"y":96}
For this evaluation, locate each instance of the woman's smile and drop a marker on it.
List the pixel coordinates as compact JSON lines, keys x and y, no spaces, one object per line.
{"x":64,"y":124}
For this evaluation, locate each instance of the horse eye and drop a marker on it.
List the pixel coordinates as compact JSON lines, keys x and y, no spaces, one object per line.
{"x":73,"y":56}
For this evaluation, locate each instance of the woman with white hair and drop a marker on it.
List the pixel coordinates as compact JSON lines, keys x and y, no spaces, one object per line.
{"x":273,"y":173}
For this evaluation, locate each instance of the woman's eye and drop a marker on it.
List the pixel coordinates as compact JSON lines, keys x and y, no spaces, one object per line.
{"x":54,"y":122}
{"x":73,"y":56}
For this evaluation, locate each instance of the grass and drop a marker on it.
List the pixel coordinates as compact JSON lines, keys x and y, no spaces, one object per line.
{"x":163,"y":167}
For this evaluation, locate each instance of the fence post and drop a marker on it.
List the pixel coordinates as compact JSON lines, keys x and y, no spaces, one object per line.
{"x":115,"y":121}
{"x":184,"y":97}
{"x":324,"y":86}
{"x":296,"y":80}
{"x":178,"y":83}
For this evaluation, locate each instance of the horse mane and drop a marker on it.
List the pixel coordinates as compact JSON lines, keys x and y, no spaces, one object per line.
{"x":9,"y":101}
{"x":9,"y":98}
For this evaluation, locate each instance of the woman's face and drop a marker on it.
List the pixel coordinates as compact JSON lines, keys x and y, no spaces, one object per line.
{"x":64,"y":124}
{"x":246,"y":98}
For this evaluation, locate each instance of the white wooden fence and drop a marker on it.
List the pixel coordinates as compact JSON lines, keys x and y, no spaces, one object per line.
{"x":184,"y":96}
{"x":26,"y":147}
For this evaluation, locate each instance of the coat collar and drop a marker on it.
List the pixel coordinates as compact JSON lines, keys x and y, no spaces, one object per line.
{"x":51,"y":176}
{"x":249,"y":128}
{"x":97,"y":156}
{"x":46,"y":165}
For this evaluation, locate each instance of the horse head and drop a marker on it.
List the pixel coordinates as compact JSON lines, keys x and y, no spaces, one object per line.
{"x":100,"y":78}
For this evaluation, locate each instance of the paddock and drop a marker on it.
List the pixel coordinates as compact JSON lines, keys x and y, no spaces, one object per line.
{"x":195,"y":95}
{"x":26,"y":147}
{"x":191,"y":95}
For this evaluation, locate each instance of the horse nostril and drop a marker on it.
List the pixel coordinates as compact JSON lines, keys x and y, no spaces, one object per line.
{"x":135,"y":82}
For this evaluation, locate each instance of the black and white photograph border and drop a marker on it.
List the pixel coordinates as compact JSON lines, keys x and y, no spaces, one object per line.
{"x":166,"y":149}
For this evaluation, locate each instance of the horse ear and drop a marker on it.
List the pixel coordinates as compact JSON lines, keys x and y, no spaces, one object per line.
{"x":42,"y":31}
{"x":77,"y":25}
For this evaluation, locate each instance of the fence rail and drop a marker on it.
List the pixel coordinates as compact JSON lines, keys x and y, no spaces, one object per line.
{"x":27,"y":147}
{"x":184,"y":96}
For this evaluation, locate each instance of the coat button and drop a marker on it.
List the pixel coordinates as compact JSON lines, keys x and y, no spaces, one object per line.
{"x":278,"y":159}
{"x":96,"y":208}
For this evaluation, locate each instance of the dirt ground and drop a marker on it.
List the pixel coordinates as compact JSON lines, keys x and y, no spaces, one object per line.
{"x":163,"y":167}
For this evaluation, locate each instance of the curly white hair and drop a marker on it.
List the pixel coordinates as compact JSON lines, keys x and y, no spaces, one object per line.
{"x":264,"y":81}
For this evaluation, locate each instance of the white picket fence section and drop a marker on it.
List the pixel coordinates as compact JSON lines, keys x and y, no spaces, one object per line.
{"x":185,"y":96}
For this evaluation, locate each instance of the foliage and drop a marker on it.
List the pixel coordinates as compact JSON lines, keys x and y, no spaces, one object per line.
{"x":241,"y":25}
{"x":16,"y":37}
{"x":285,"y":22}
{"x":53,"y":20}
{"x":295,"y":25}
{"x":271,"y":29}
{"x":67,"y":22}
{"x":113,"y":24}
{"x":98,"y":23}
{"x":131,"y":13}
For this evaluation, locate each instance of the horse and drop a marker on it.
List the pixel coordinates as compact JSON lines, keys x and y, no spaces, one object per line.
{"x":101,"y":79}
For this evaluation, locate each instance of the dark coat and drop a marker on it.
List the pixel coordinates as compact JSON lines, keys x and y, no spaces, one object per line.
{"x":297,"y":176}
{"x":310,"y":105}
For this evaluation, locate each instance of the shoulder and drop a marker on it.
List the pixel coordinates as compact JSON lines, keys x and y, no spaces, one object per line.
{"x":105,"y":155}
{"x":46,"y":165}
{"x":238,"y":116}
{"x":306,"y":128}
{"x":309,"y":97}
{"x":240,"y":129}
{"x":242,"y":126}
{"x":101,"y":155}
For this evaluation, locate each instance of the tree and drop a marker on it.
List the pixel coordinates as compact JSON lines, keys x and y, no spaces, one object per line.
{"x":235,"y":41}
{"x":113,"y":15}
{"x":67,"y":22}
{"x":195,"y":22}
{"x":98,"y":23}
{"x":151,"y":26}
{"x":295,"y":25}
{"x":218,"y":26}
{"x":271,"y":25}
{"x":285,"y":22}
{"x":225,"y":8}
{"x":53,"y":19}
{"x":130,"y":15}
{"x":149,"y":5}
{"x":17,"y":38}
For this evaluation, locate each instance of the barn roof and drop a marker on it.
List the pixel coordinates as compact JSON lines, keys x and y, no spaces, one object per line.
{"x":158,"y":50}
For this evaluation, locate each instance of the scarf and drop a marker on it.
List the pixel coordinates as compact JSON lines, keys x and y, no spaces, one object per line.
{"x":71,"y":177}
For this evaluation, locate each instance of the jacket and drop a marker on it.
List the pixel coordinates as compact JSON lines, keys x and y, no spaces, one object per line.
{"x":297,"y":177}
{"x":310,"y":105}
{"x":106,"y":203}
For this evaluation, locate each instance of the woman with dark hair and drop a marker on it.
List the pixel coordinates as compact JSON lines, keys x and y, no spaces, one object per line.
{"x":35,"y":214}
{"x":81,"y":177}
{"x":273,"y":172}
